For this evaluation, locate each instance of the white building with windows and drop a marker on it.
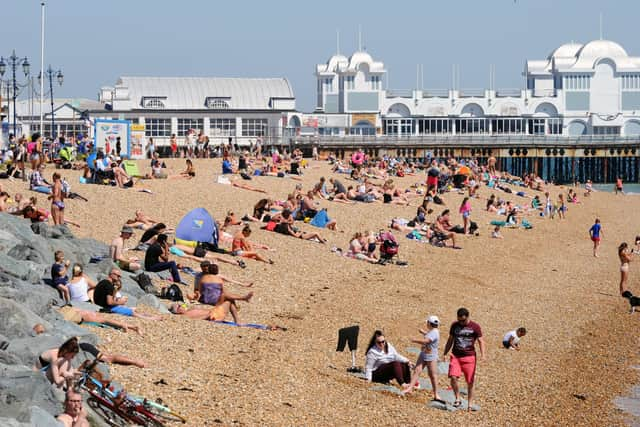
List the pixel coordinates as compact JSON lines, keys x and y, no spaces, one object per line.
{"x":590,"y":89}
{"x":225,"y":109}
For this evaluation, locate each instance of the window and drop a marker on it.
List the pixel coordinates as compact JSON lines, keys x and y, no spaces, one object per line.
{"x":471,"y":126}
{"x":398,"y":126}
{"x":350,"y":82}
{"x":222,"y":127}
{"x":185,"y":124}
{"x":431,"y":126}
{"x":606,"y":130}
{"x":508,"y":126}
{"x":217,"y":104}
{"x":631,"y":82}
{"x":254,"y":127}
{"x":151,"y":102}
{"x":328,"y":85}
{"x":329,"y":131}
{"x":577,"y":82}
{"x":376,"y":83}
{"x":71,"y":129}
{"x":157,"y":127}
{"x":537,"y":126}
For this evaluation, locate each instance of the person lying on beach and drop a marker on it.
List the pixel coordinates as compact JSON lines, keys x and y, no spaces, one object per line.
{"x":48,"y":356}
{"x":106,"y":296}
{"x":247,"y":187}
{"x":262,"y":211}
{"x":242,"y":247}
{"x":141,"y":221}
{"x":285,"y":226}
{"x":217,"y":313}
{"x":188,"y":252}
{"x":511,"y":340}
{"x":78,"y":316}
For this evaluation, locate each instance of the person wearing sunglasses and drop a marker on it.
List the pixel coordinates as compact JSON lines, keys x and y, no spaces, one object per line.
{"x":106,"y":296}
{"x":384,"y":363}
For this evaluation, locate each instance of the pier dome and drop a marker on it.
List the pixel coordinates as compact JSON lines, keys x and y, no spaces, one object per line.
{"x":602,"y":49}
{"x":567,"y":50}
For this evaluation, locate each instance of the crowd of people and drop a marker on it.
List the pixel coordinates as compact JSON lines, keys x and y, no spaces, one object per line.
{"x":360,"y":180}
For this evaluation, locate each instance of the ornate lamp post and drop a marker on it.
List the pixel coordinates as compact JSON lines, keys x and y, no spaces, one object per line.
{"x":14,"y":62}
{"x":50,"y":74}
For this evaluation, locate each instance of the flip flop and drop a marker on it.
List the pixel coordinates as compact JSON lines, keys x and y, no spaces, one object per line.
{"x":441,"y":401}
{"x":457,"y":403}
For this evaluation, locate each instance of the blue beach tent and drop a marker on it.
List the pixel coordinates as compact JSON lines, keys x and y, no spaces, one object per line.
{"x":197,"y":226}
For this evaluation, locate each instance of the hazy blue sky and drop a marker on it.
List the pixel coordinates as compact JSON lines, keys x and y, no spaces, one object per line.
{"x":94,"y":42}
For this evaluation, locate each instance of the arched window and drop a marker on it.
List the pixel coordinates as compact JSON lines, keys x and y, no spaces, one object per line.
{"x":153,"y":102}
{"x":217,"y":104}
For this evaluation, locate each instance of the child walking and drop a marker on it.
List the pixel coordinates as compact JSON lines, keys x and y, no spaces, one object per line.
{"x":428,"y":357}
{"x":595,"y":232}
{"x":465,"y":210}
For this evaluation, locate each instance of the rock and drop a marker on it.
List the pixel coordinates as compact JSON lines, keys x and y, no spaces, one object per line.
{"x":21,"y":388}
{"x":16,"y":320}
{"x":153,"y":302}
{"x":23,"y":269}
{"x":41,"y":418}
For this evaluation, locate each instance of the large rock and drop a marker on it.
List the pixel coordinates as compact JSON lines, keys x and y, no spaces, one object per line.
{"x":17,"y":321}
{"x":21,"y":388}
{"x":153,"y":302}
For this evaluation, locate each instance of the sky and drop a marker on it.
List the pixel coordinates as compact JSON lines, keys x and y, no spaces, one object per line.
{"x":95,"y":42}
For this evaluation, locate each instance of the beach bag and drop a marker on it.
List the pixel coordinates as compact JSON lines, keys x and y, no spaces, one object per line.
{"x":271,"y":226}
{"x":173,"y":293}
{"x":199,"y":251}
{"x":144,"y":281}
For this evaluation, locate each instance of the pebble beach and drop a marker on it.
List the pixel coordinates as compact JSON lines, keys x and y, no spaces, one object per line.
{"x":577,"y":357}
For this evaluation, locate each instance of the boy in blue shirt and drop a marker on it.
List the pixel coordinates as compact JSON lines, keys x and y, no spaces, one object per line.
{"x":596,"y":232}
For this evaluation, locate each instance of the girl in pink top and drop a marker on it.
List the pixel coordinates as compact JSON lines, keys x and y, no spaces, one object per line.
{"x":465,"y":210}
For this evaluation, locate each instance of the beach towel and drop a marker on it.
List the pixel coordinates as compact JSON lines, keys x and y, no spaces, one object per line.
{"x":526,"y":225}
{"x":251,"y":325}
{"x":498,"y":223}
{"x":131,"y":168}
{"x":223,"y":180}
{"x":321,"y":219}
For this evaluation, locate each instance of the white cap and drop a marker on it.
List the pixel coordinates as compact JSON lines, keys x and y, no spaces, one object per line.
{"x":433,"y":320}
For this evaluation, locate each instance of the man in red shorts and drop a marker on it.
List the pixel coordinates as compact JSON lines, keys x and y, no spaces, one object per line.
{"x":463,"y":335}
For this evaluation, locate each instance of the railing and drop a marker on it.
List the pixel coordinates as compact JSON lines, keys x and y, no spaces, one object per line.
{"x":469,"y":93}
{"x":513,"y":93}
{"x":539,"y":93}
{"x":399,"y":93}
{"x":435,"y":93}
{"x":492,"y":140}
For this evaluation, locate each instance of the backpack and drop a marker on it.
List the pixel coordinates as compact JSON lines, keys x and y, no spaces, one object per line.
{"x":173,"y":293}
{"x":144,"y":281}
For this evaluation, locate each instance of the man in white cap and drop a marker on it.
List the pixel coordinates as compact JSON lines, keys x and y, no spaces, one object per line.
{"x":428,"y":357}
{"x":116,"y":251}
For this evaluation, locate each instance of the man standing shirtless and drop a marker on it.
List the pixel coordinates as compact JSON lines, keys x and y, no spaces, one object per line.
{"x":57,"y":200}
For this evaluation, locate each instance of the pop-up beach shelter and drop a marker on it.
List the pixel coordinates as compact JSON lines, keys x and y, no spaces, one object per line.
{"x":197,"y":226}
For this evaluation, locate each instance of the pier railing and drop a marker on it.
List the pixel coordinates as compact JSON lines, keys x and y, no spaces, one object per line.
{"x":468,"y":140}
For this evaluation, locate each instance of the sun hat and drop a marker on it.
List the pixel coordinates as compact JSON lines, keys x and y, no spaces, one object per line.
{"x":433,"y":320}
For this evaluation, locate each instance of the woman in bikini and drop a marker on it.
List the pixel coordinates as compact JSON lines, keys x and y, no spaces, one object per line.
{"x":625,"y":258}
{"x":211,"y":292}
{"x":241,"y":246}
{"x":57,"y":363}
{"x":285,"y":227}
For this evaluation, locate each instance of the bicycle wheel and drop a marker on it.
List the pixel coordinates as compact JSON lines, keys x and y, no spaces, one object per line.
{"x":110,"y":415}
{"x":163,"y":413}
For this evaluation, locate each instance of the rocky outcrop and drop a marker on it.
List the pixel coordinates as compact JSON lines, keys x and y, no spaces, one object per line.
{"x":26,"y":256}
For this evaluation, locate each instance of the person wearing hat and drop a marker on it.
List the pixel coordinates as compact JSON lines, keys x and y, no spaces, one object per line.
{"x":428,"y":357}
{"x":116,"y":251}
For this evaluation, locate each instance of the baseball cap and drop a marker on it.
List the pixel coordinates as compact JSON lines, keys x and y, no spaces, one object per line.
{"x":433,"y":320}
{"x":126,"y":229}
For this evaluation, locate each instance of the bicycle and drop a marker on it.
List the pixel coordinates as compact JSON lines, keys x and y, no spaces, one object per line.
{"x":117,"y":409}
{"x":158,"y":409}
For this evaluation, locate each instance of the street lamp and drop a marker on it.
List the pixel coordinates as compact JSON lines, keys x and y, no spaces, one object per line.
{"x":51,"y":74}
{"x":14,"y":62}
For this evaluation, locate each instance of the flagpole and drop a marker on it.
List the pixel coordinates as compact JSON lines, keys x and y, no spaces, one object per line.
{"x":42,"y":70}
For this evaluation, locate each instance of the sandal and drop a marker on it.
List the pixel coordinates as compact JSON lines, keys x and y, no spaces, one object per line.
{"x":441,"y":401}
{"x":457,"y":403}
